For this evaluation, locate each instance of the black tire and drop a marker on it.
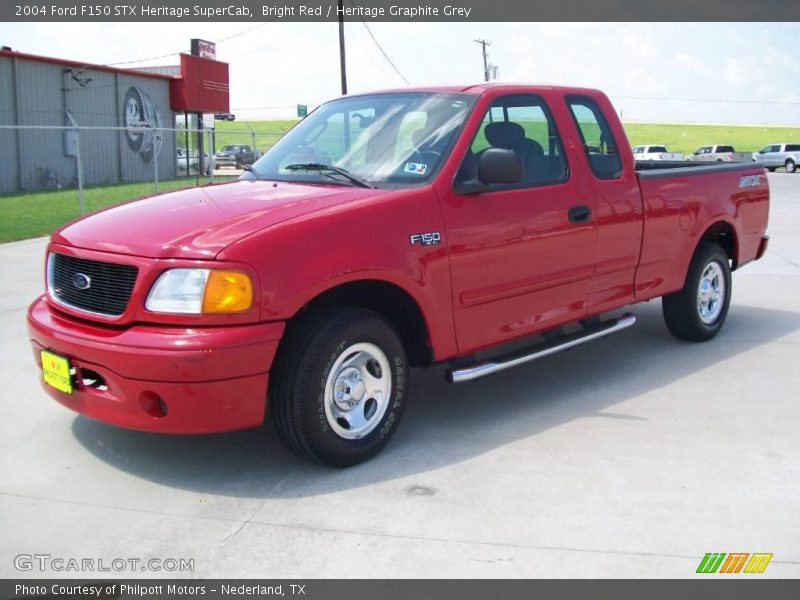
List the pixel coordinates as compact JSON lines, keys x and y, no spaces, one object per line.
{"x":771,"y":169}
{"x":311,"y":348}
{"x":790,"y":166}
{"x":238,"y":163}
{"x":680,"y":309}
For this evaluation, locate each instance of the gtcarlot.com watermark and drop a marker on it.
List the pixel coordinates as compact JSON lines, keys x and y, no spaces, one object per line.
{"x":60,"y":564}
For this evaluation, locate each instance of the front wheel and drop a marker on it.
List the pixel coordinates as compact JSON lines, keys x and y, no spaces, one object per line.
{"x":790,"y":166}
{"x":697,"y":311}
{"x":339,"y":386}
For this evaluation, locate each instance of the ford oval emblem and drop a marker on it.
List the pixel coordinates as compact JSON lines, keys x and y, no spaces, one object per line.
{"x":81,"y":281}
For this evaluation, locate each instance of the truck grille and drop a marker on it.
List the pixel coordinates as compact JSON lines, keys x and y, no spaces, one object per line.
{"x":109,"y":284}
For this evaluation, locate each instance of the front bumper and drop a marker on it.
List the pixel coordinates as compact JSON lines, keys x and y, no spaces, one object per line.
{"x":161,"y":379}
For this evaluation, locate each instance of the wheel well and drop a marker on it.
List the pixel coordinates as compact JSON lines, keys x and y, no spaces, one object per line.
{"x":393,"y":303}
{"x":723,"y":234}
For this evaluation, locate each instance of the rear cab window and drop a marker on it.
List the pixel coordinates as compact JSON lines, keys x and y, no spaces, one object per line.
{"x":602,"y":152}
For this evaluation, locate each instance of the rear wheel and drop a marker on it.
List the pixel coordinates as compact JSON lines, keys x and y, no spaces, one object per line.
{"x":790,"y":166}
{"x":697,"y":311}
{"x":339,"y":386}
{"x":771,"y":169}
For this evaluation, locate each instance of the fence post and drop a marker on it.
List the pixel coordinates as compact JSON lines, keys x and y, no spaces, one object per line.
{"x":155,"y":165}
{"x":78,"y":161}
{"x":253,"y":136}
{"x":212,"y":142}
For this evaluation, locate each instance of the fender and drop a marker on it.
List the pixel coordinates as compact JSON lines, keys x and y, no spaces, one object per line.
{"x":371,"y":240}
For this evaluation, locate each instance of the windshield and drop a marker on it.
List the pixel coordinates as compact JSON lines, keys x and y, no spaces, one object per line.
{"x":391,"y":139}
{"x":229,"y":148}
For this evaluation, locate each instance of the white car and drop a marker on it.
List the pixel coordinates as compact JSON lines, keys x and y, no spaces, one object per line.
{"x":655,"y":152}
{"x":208,"y":162}
{"x":779,"y":155}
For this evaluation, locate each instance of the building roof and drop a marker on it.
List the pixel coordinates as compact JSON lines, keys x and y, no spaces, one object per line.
{"x":81,"y":65}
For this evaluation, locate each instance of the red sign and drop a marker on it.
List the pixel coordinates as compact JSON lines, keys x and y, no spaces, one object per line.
{"x":202,"y":87}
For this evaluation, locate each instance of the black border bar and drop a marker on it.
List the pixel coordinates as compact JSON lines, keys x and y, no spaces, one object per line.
{"x":399,"y":10}
{"x":705,"y":588}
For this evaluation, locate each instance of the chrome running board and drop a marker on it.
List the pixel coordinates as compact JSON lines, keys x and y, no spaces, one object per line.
{"x":545,"y":349}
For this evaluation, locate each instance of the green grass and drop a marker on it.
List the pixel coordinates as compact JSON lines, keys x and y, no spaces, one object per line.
{"x":31,"y":215}
{"x":688,"y":138}
{"x":237,"y":132}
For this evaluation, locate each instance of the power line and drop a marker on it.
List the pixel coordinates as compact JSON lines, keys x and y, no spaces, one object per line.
{"x":225,"y":39}
{"x":386,"y":56}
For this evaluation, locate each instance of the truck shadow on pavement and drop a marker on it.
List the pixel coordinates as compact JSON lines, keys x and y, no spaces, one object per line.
{"x":445,"y":424}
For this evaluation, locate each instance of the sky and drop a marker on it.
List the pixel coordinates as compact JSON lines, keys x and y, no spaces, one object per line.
{"x":738,"y":73}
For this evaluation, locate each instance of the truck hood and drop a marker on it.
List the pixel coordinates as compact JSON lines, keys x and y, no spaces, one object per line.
{"x":200,"y":222}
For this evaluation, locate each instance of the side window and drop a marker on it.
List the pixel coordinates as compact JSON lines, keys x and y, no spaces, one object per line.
{"x":724,"y":148}
{"x":601,"y":147}
{"x":521,"y":123}
{"x":638,"y":150}
{"x":793,"y":147}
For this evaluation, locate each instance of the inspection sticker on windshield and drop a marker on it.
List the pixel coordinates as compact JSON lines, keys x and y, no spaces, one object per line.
{"x":416,"y":168}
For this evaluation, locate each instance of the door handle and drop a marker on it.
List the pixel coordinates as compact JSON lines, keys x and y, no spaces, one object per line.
{"x":580,"y":213}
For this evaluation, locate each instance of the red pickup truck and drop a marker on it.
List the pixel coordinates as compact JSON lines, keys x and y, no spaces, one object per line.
{"x":387,"y":230}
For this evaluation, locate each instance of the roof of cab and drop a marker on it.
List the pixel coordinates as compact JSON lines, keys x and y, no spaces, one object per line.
{"x":480,"y":88}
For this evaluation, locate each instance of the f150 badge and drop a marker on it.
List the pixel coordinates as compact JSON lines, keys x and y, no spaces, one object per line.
{"x":425,"y":239}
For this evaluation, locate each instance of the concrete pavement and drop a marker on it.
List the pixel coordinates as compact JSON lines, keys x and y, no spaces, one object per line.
{"x":628,"y":457}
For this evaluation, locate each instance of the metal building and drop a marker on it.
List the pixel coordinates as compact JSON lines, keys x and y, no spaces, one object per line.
{"x":51,"y":92}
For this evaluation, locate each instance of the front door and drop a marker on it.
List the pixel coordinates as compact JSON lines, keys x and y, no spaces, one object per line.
{"x":522,"y":255}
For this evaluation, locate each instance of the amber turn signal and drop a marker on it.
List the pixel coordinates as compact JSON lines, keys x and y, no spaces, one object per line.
{"x":227,"y":292}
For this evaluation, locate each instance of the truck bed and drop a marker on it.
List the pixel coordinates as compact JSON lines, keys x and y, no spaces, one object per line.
{"x":679,"y":199}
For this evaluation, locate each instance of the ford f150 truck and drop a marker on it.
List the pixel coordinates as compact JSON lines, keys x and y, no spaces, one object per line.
{"x":720,"y":154}
{"x":385,"y":231}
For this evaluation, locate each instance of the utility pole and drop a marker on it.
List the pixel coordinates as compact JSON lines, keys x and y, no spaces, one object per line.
{"x":483,"y":44}
{"x":342,"y":62}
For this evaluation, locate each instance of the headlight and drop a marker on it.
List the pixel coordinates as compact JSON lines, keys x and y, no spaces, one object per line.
{"x":200,"y":291}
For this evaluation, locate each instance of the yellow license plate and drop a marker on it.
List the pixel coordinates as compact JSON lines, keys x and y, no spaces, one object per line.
{"x":55,"y":369}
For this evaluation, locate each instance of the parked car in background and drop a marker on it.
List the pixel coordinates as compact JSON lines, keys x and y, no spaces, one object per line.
{"x":193,"y":163}
{"x":235,"y":155}
{"x":655,"y":153}
{"x":720,"y":154}
{"x":224,"y":117}
{"x":779,"y":155}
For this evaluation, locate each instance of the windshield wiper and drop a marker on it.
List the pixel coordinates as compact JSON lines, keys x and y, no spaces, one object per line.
{"x":312,"y":166}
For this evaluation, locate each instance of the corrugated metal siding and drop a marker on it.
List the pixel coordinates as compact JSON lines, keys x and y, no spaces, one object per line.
{"x":94,"y":98}
{"x":9,"y":164}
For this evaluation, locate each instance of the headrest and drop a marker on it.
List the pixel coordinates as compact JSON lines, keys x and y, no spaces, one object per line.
{"x":504,"y":134}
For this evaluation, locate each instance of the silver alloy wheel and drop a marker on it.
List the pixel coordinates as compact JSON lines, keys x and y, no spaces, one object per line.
{"x":357,"y":391}
{"x":711,"y":293}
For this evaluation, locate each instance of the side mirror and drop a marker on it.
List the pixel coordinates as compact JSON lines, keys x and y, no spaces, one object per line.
{"x":498,"y":165}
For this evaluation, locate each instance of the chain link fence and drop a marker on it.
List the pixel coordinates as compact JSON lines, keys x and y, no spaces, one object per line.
{"x":45,"y":158}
